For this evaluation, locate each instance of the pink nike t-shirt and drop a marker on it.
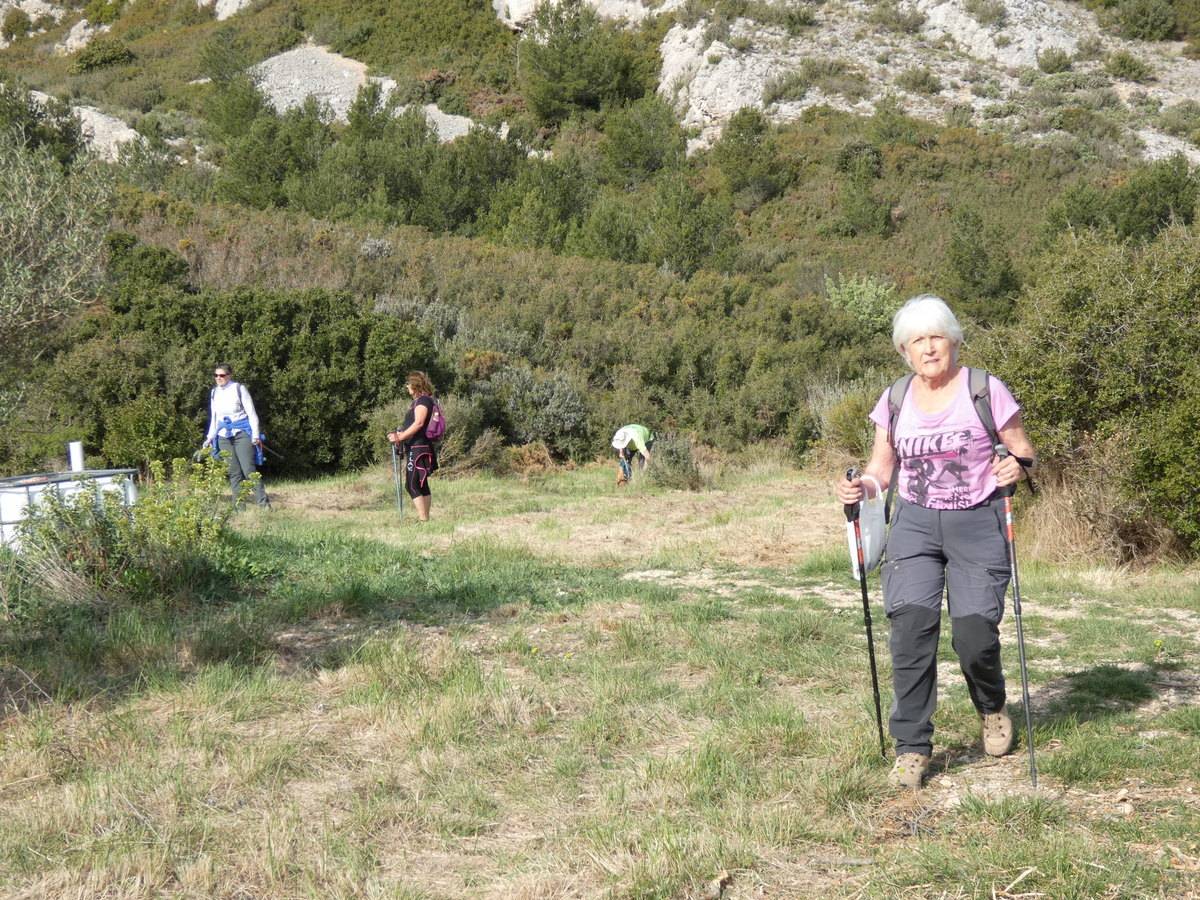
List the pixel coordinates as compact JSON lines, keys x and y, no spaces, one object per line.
{"x":945,"y":458}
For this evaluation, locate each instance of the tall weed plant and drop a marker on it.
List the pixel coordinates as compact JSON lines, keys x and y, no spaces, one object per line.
{"x":90,"y":551}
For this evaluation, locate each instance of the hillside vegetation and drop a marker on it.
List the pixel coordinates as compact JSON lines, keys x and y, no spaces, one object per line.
{"x":738,"y":294}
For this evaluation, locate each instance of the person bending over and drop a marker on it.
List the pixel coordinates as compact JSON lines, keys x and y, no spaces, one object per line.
{"x":631,"y":442}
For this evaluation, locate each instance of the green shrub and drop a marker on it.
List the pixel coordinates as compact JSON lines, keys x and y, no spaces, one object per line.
{"x":545,"y":203}
{"x":316,"y":363}
{"x":145,"y":429}
{"x":919,"y":80}
{"x":833,"y":76}
{"x":101,"y":53}
{"x":612,"y":229}
{"x":642,"y":139}
{"x":52,"y":222}
{"x":1153,"y":196}
{"x":870,"y":300}
{"x":233,"y":106}
{"x":793,"y":18}
{"x":1053,"y":60}
{"x":987,"y":12}
{"x":463,"y":178}
{"x":788,"y":87}
{"x":102,"y":12}
{"x":686,"y":230}
{"x":16,"y":24}
{"x":673,"y":464}
{"x":49,"y":126}
{"x":861,"y":210}
{"x":1182,"y":120}
{"x":1090,"y":47}
{"x":892,"y":16}
{"x":803,"y":433}
{"x":980,"y":274}
{"x":859,"y":158}
{"x":545,"y":408}
{"x":1106,"y":348}
{"x":90,"y":552}
{"x":890,"y":124}
{"x":845,"y":426}
{"x":1146,"y":20}
{"x":572,"y":60}
{"x":1124,"y":65}
{"x":748,"y":158}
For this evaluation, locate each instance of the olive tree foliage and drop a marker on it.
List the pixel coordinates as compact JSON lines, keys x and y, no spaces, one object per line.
{"x":53,"y":219}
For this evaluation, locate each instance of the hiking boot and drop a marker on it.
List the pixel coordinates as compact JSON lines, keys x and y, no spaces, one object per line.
{"x":909,"y":770}
{"x":997,"y":733}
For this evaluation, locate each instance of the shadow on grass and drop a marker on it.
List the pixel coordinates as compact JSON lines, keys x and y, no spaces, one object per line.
{"x":1090,"y":695}
{"x":323,"y":597}
{"x":1102,"y":692}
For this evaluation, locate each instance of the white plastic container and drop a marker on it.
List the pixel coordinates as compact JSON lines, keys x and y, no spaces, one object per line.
{"x":19,"y":493}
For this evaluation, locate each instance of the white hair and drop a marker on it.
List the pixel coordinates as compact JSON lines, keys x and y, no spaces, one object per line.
{"x":923,"y":315}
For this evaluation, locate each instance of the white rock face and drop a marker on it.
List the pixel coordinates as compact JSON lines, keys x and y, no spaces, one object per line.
{"x":290,"y":78}
{"x":105,"y":134}
{"x":79,"y":36}
{"x":35,"y":9}
{"x":516,"y":13}
{"x":223,"y":9}
{"x":1030,"y":27}
{"x":1160,"y":146}
{"x":977,"y":66}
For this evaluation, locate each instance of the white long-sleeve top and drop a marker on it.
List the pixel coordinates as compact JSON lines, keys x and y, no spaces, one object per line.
{"x":232,"y":400}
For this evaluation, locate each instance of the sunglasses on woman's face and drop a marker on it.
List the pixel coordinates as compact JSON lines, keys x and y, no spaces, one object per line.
{"x":220,"y":374}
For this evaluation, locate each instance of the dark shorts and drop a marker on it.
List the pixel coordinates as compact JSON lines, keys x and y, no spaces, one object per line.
{"x":962,"y":552}
{"x":420,"y":462}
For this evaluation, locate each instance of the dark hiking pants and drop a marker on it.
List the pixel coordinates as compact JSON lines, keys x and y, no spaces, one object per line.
{"x":962,"y":553}
{"x":241,"y":464}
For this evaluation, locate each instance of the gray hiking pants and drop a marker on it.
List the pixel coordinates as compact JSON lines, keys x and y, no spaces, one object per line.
{"x":241,"y":464}
{"x":962,"y":552}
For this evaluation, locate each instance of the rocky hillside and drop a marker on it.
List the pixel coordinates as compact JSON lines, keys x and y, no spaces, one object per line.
{"x":1039,"y":71}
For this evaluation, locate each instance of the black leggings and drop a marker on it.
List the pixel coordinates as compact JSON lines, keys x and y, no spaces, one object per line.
{"x":419,"y":464}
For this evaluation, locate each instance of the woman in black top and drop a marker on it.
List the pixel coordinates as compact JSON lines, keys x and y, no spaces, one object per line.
{"x":420,"y":460}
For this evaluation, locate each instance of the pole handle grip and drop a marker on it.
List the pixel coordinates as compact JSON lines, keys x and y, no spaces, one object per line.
{"x":851,"y":509}
{"x":1003,"y":452}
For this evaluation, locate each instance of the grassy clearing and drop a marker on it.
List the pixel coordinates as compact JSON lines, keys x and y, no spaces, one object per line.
{"x":556,"y":690}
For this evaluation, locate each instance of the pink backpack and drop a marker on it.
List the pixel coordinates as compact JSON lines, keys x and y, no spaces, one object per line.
{"x":436,"y":426}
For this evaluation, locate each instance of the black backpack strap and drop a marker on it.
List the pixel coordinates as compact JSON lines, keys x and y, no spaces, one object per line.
{"x":982,"y":399}
{"x":895,"y":400}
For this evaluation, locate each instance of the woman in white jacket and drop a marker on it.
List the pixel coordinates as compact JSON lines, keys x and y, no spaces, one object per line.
{"x":233,"y":427}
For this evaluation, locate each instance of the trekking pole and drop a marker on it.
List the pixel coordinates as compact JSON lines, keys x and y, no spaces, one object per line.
{"x":396,"y":481}
{"x":1007,"y":492}
{"x":852,"y":510}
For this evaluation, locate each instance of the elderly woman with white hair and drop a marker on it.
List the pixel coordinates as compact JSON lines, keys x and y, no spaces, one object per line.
{"x":947,"y":531}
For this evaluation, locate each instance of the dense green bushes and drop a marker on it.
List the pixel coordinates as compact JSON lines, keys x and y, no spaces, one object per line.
{"x":1106,"y":349}
{"x":135,"y":381}
{"x":1151,"y":198}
